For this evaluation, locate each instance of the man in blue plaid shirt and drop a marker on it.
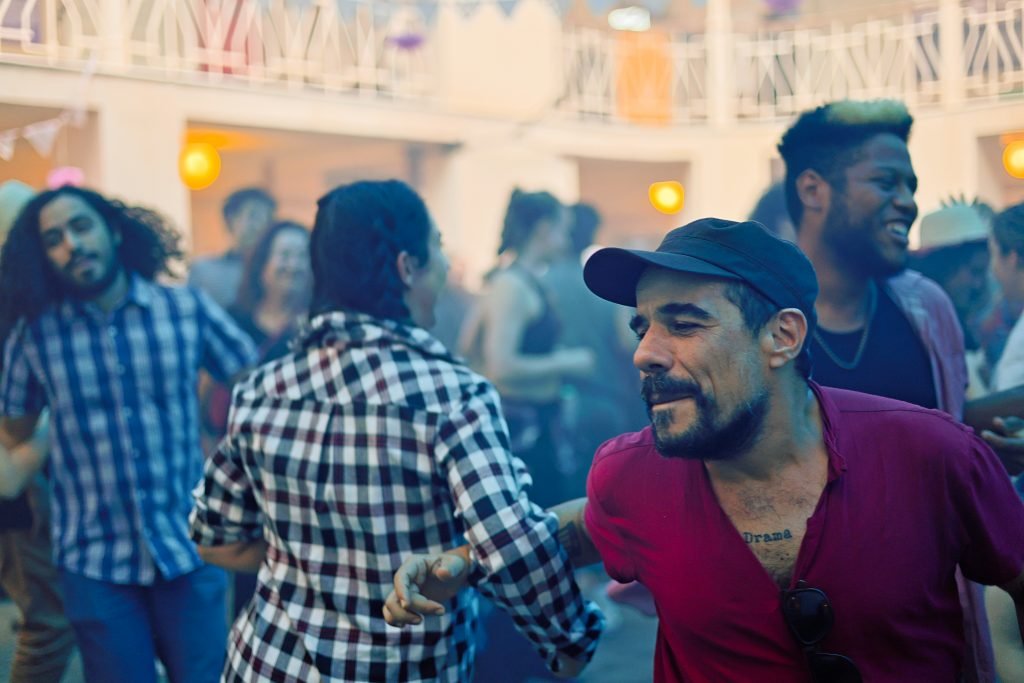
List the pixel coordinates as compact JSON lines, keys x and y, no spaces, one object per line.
{"x":115,"y":357}
{"x":370,"y":442}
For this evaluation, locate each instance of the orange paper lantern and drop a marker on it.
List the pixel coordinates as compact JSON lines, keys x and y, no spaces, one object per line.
{"x":667,"y":196}
{"x":1013,"y":158}
{"x":199,"y":165}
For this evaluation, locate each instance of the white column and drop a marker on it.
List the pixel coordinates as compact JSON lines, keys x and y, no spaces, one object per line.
{"x":140,"y":136}
{"x":114,"y":37}
{"x":721,"y":65}
{"x":499,"y":66}
{"x":951,"y":49}
{"x":728,"y":173}
{"x":469,"y":193}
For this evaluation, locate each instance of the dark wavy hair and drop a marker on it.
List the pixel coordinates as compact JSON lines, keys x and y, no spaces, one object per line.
{"x":148,"y":247}
{"x":829,"y":140}
{"x":525,"y":211}
{"x":1008,"y":230}
{"x":360,"y":230}
{"x":250,"y":289}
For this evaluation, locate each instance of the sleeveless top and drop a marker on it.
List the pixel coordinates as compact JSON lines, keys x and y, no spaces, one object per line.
{"x":541,"y":334}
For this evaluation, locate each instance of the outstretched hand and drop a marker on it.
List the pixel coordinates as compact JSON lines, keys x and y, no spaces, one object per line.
{"x":422,"y":583}
{"x":1007,"y":439}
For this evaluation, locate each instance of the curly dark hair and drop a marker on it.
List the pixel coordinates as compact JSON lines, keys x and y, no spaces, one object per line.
{"x":250,"y":290}
{"x":829,"y":140}
{"x":525,"y":211}
{"x":149,"y":246}
{"x":359,"y":232}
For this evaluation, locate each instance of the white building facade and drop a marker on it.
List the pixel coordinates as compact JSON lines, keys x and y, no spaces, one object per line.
{"x":468,"y":102}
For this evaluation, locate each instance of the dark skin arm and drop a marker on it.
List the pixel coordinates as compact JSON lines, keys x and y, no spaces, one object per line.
{"x":996,"y":418}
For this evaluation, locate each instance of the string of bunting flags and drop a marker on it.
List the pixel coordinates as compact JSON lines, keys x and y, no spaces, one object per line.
{"x":41,"y":135}
{"x":428,"y":9}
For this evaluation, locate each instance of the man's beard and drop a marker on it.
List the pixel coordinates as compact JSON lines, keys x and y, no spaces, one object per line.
{"x":76,"y":289}
{"x":855,"y":244}
{"x":709,"y":437}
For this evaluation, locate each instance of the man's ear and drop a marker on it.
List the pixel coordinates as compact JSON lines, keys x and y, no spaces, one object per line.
{"x":784,"y":336}
{"x":814,"y":191}
{"x":407,"y":265}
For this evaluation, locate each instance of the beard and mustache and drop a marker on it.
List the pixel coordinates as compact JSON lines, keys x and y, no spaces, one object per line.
{"x":711,"y":436}
{"x":76,"y":288}
{"x":856,"y":244}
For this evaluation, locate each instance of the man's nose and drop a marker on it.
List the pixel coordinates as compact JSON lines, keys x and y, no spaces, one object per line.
{"x":905,"y":199}
{"x":652,"y":353}
{"x":72,"y":241}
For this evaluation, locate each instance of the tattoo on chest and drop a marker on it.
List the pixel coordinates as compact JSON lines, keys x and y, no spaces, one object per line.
{"x":773,"y":537}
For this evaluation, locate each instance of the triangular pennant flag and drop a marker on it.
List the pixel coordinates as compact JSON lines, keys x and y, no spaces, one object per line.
{"x":347,"y":8}
{"x":382,"y":11}
{"x":508,"y":6}
{"x":428,"y":10}
{"x":467,"y":8}
{"x":7,"y":140}
{"x":601,"y":7}
{"x":656,"y":7}
{"x":42,"y":135}
{"x":561,"y":6}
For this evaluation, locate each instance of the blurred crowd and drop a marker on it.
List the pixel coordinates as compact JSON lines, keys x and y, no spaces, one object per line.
{"x":319,"y":402}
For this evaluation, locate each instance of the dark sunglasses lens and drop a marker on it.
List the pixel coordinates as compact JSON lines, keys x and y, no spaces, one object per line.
{"x":808,"y":614}
{"x":831,"y":668}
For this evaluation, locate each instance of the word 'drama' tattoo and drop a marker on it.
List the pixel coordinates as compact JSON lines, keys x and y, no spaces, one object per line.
{"x":773,"y":537}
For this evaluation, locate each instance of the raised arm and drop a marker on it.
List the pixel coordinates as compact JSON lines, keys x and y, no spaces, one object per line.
{"x":424,"y":582}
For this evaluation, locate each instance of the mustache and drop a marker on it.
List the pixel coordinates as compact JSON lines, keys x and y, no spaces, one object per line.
{"x":77,"y":257}
{"x":661,"y":388}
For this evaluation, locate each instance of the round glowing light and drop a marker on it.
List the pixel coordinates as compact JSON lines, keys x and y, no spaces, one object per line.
{"x":199,"y":165}
{"x":667,"y":196}
{"x":1013,"y":158}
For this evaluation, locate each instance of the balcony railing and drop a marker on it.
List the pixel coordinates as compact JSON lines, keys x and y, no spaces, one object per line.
{"x":994,"y":51}
{"x":777,"y":74}
{"x":638,"y":78}
{"x":379,"y":50}
{"x":385,"y":50}
{"x":788,"y":72}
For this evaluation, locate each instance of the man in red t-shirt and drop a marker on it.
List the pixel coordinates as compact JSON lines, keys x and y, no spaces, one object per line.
{"x":786,"y":531}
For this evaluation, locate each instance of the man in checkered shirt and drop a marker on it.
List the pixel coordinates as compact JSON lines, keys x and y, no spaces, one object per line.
{"x":370,"y":442}
{"x":115,"y":357}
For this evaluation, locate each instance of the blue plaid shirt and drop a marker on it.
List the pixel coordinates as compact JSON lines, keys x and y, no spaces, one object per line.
{"x":124,"y":455}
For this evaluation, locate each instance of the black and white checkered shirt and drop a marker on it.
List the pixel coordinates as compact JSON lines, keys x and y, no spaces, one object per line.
{"x":367,"y":444}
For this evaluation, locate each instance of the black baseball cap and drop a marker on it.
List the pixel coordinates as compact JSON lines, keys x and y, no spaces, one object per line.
{"x":745,"y":251}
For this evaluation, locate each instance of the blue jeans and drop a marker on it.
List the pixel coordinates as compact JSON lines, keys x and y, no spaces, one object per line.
{"x":122,"y":629}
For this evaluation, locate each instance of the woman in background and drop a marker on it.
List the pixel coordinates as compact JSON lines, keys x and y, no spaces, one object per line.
{"x":273,"y":298}
{"x":514,"y":341}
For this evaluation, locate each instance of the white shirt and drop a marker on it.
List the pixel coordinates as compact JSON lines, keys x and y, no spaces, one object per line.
{"x":1009,"y":370}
